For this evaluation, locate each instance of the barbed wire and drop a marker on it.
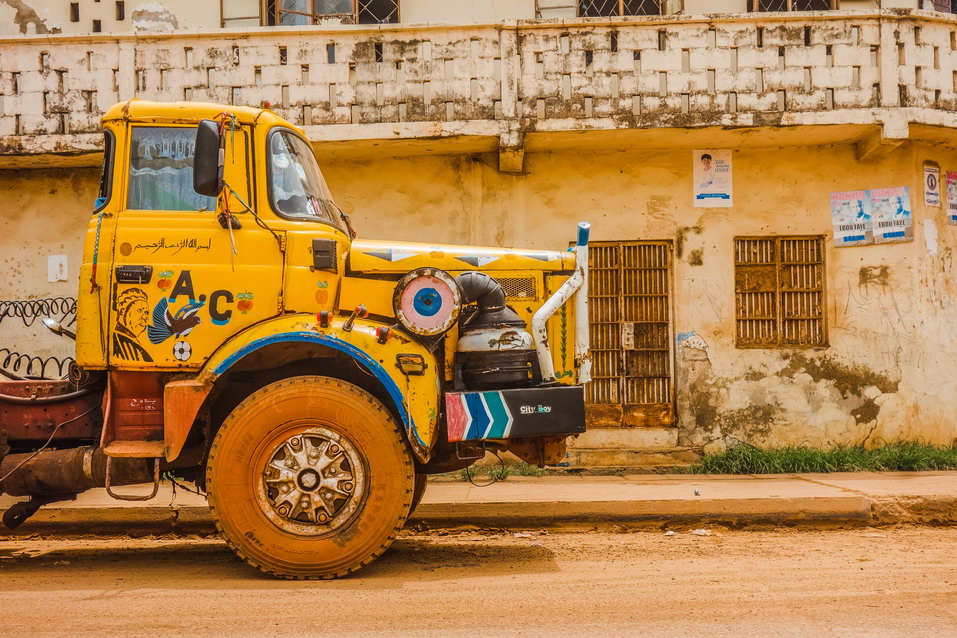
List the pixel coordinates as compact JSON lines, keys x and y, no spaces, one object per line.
{"x":21,"y":365}
{"x":63,"y":309}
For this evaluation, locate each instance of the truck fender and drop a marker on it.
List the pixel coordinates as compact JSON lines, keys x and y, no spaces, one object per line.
{"x":414,"y":397}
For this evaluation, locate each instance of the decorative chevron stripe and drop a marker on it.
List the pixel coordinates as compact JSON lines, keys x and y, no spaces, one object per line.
{"x":474,"y":416}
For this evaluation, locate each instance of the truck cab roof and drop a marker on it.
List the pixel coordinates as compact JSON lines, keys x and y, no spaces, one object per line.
{"x":189,"y":112}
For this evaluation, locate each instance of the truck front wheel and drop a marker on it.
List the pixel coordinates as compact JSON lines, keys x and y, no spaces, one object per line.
{"x":309,"y":477}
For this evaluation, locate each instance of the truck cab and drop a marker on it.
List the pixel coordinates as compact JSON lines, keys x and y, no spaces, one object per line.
{"x":235,"y":331}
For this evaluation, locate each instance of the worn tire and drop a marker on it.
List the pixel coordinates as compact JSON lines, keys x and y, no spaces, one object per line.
{"x":244,"y":448}
{"x":421,"y":482}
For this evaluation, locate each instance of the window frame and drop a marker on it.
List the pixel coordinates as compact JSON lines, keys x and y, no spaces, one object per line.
{"x":106,"y":170}
{"x":621,"y":10}
{"x":270,"y":13}
{"x":754,"y":6}
{"x":129,"y":167}
{"x":337,"y":224}
{"x":778,"y":314}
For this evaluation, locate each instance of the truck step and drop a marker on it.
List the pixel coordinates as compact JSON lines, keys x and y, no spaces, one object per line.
{"x":135,"y":449}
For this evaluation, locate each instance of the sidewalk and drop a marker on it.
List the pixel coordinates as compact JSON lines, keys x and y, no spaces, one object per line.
{"x":577,"y":502}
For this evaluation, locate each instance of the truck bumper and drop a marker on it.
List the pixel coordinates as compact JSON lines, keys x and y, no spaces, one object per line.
{"x":521,"y":412}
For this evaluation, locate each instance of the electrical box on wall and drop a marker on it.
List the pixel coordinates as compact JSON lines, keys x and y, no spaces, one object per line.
{"x":56,"y":268}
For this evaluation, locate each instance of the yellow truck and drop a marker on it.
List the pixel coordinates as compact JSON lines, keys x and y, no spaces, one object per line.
{"x":233,"y":331}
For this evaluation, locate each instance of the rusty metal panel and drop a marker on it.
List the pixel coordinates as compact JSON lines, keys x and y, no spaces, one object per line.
{"x":630,"y":312}
{"x":36,"y":422}
{"x":136,"y":406}
{"x":779,"y":292}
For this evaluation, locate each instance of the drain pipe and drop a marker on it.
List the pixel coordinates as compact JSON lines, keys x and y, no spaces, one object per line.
{"x":578,"y":282}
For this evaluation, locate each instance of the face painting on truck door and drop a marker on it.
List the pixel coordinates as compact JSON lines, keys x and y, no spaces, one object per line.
{"x":172,"y":249}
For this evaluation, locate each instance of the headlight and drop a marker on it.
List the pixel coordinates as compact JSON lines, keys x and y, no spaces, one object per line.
{"x":427,"y":302}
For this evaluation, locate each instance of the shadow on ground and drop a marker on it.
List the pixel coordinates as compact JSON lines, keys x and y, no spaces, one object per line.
{"x":210,"y":564}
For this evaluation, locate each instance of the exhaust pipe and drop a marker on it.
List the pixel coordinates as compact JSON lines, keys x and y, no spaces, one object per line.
{"x":70,"y":471}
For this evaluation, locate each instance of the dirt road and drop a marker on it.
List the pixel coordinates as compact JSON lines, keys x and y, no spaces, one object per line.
{"x":880,"y":582}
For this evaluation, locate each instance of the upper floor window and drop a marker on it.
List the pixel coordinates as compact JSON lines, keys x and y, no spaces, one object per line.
{"x":947,"y":6}
{"x":305,"y":12}
{"x":793,"y":5}
{"x":610,"y":8}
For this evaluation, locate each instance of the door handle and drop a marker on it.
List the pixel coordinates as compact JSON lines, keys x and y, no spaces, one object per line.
{"x":134,"y":274}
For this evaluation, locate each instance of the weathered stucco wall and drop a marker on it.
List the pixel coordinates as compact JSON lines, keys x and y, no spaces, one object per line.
{"x":459,"y":11}
{"x":53,"y":16}
{"x":397,"y":83}
{"x":45,"y":212}
{"x":887,"y":375}
{"x":810,"y":107}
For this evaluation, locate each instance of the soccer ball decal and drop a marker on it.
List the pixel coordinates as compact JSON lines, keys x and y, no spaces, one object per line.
{"x":182,"y":350}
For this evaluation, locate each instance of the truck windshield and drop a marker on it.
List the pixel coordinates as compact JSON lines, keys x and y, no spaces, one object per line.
{"x":296,"y":186}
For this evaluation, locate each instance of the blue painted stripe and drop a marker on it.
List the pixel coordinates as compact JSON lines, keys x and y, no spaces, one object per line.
{"x":337,"y":344}
{"x":899,"y":233}
{"x":499,"y":415}
{"x":851,"y":238}
{"x":480,"y":419}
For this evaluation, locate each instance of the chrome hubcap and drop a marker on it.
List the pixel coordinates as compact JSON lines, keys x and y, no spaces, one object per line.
{"x":312,"y":483}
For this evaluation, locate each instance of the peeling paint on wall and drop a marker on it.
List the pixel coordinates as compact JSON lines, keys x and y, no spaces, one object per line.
{"x":26,"y":17}
{"x":153,"y":16}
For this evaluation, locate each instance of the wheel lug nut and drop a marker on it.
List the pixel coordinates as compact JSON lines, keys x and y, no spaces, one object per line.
{"x":334,"y":449}
{"x":347,"y":487}
{"x":296,"y":443}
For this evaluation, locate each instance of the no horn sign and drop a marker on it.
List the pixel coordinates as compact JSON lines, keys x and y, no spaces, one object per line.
{"x":931,"y":185}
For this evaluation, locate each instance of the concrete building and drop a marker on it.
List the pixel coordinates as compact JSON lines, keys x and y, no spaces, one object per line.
{"x":723,"y":311}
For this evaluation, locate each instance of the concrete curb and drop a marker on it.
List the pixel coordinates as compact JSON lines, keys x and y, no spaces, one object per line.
{"x":652,"y":502}
{"x":810,"y":513}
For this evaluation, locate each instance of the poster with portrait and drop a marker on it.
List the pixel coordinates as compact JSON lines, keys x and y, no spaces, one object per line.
{"x":712,"y":179}
{"x":952,"y":198}
{"x":891,"y":215}
{"x":931,"y":185}
{"x":851,"y":218}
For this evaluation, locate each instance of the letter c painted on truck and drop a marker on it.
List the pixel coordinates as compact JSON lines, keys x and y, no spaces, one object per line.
{"x":220,"y":318}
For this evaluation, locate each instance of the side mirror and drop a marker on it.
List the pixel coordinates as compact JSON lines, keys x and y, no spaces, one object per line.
{"x":54,"y":326}
{"x":207,"y":160}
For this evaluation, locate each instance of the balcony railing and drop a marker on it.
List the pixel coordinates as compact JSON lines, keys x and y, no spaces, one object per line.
{"x":500,"y":80}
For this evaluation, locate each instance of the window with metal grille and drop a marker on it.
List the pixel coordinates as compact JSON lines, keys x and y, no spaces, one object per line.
{"x":607,"y":8}
{"x":793,"y":5}
{"x":629,"y":297}
{"x":305,"y":12}
{"x":779,"y":292}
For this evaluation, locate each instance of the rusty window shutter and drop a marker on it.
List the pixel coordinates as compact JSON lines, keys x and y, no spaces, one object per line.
{"x":779,"y":292}
{"x":630,"y":314}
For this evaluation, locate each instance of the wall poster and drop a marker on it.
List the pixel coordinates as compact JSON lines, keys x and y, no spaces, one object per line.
{"x":931,"y":185}
{"x":851,"y":217}
{"x":712,"y":179}
{"x":891,"y":215}
{"x":952,"y":198}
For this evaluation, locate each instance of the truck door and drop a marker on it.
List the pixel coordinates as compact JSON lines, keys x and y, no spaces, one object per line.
{"x":179,"y":289}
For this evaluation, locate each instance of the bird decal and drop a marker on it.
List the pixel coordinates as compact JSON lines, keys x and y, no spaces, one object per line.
{"x":166,"y":324}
